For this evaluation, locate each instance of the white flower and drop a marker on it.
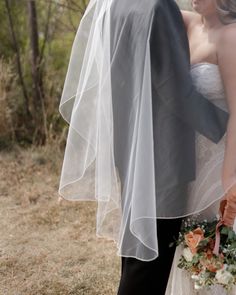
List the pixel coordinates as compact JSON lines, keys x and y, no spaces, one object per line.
{"x":195,"y":277}
{"x":197,"y":286}
{"x":224,"y":277}
{"x":188,"y":255}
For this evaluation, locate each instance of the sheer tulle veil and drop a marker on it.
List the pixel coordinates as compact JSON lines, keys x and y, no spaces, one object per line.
{"x":127,"y":205}
{"x":88,"y":171}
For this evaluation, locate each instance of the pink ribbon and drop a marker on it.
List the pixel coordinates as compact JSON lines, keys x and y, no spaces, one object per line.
{"x":228,"y":213}
{"x":217,"y":238}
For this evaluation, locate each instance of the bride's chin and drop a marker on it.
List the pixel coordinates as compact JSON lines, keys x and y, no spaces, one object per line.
{"x":197,"y":10}
{"x":195,"y":6}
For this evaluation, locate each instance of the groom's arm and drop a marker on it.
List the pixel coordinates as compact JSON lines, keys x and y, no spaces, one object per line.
{"x":194,"y":109}
{"x":171,"y":77}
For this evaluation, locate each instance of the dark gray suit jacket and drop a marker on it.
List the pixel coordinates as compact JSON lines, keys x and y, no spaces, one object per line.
{"x":178,"y":109}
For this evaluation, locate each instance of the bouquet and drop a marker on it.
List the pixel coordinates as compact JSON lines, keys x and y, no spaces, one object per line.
{"x":206,"y":265}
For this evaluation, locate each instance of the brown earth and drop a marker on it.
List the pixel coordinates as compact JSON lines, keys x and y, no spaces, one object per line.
{"x":47,"y":248}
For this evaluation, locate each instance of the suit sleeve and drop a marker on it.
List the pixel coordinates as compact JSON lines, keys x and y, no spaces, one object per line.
{"x":171,"y":77}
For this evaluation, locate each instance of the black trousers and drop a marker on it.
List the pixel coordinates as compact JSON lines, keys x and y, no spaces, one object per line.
{"x":151,"y":277}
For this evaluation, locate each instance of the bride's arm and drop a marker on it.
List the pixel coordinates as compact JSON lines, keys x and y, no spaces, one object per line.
{"x":227,"y":64}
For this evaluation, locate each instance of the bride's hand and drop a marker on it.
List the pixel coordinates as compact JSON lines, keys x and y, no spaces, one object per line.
{"x":228,"y":206}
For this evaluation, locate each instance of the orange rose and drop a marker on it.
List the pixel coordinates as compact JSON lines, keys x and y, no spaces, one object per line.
{"x":212,"y":267}
{"x":193,"y":238}
{"x":212,"y":264}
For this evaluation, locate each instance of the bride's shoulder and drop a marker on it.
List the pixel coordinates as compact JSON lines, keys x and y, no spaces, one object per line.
{"x":229,"y":28}
{"x":226,"y":47}
{"x":227,"y":35}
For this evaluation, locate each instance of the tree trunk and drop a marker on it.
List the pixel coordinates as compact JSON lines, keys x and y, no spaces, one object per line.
{"x":18,"y":59}
{"x":38,"y":92}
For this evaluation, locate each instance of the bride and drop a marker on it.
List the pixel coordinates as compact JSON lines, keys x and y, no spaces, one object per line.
{"x":212,"y":39}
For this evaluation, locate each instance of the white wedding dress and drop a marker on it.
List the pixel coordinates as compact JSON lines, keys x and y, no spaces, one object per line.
{"x":209,"y":159}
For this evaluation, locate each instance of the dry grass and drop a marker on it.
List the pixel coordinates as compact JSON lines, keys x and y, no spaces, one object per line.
{"x":46,"y":248}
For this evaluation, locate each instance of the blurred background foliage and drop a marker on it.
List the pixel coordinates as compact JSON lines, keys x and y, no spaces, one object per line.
{"x":35,"y":43}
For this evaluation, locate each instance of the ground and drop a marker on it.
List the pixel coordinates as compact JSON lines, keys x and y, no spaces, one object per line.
{"x":47,"y":248}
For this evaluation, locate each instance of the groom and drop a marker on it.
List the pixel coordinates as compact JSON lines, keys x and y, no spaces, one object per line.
{"x":178,"y":108}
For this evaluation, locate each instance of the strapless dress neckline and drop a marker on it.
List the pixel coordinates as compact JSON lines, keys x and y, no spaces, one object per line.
{"x":203,"y":63}
{"x":208,"y":81}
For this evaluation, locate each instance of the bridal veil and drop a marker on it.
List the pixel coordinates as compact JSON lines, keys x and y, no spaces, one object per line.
{"x":109,"y":126}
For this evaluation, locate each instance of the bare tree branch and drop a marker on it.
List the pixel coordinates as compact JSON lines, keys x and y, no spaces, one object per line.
{"x":46,"y":32}
{"x":76,"y":8}
{"x":18,"y":59}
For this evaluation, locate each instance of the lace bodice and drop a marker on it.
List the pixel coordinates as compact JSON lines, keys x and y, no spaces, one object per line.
{"x":207,"y":80}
